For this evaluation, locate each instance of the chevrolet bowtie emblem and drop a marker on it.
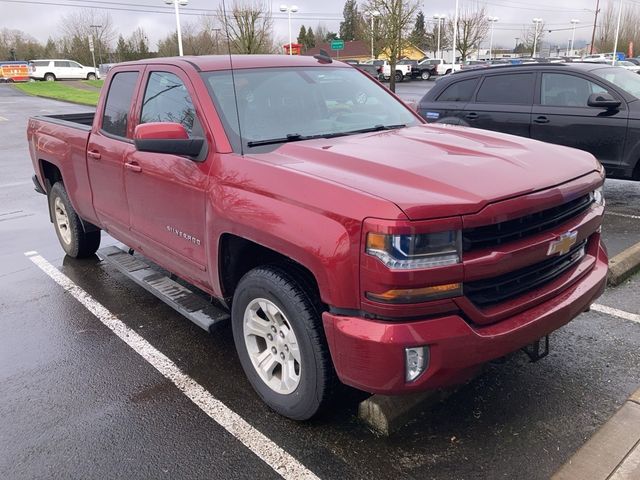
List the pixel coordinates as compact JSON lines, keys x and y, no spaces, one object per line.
{"x":563,"y":243}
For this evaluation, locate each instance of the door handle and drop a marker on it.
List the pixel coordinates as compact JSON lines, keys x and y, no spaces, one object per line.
{"x":471,"y":116}
{"x":541,"y":119}
{"x":94,"y":154}
{"x":133,"y":166}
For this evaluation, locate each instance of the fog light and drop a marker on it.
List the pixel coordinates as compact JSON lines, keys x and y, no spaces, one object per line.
{"x":416,"y":361}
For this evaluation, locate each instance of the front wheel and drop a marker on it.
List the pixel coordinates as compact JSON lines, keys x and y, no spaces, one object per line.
{"x":50,"y":77}
{"x":399,"y":76}
{"x":71,"y":234}
{"x":279,"y":338}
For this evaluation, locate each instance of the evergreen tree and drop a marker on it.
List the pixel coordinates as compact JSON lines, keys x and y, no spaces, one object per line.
{"x":311,"y":38}
{"x":419,"y":35}
{"x":349,"y":27}
{"x":302,"y":36}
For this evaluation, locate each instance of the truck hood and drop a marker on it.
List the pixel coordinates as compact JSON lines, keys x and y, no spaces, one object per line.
{"x":432,"y":171}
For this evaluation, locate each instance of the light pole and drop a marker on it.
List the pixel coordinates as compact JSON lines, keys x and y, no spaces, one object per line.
{"x":455,"y":32}
{"x":175,"y":4}
{"x":440,"y":19}
{"x":536,"y":22}
{"x":615,"y":45}
{"x":492,"y":21}
{"x":373,"y":14}
{"x":96,"y":41}
{"x":574,"y":22}
{"x":289,"y":9}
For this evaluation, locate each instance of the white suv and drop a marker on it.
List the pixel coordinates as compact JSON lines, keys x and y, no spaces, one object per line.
{"x":51,"y":70}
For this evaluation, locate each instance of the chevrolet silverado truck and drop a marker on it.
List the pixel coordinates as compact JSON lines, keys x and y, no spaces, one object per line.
{"x":341,"y":237}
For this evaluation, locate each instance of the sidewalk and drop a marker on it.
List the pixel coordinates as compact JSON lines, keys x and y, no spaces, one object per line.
{"x":613,"y":453}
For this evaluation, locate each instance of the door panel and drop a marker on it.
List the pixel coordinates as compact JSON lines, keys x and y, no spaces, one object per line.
{"x":503,"y":103}
{"x":564,"y":118}
{"x":166,"y":193}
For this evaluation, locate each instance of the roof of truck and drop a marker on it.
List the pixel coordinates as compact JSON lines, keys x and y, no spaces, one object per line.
{"x":223,"y":62}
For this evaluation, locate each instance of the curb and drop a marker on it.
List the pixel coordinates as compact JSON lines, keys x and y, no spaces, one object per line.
{"x":623,"y":265}
{"x":612,"y":452}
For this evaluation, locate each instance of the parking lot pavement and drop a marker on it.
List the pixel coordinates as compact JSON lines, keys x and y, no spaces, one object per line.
{"x":413,"y":90}
{"x":78,"y":402}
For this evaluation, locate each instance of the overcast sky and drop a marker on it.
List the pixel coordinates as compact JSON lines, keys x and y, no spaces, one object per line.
{"x":42,"y":21}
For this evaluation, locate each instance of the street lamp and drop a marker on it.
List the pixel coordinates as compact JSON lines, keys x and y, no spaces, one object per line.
{"x":455,"y":32}
{"x":289,"y":9}
{"x":492,"y":21}
{"x":440,"y":19}
{"x":175,"y":3}
{"x":615,"y":45}
{"x":373,"y":14}
{"x":536,"y":22}
{"x":574,"y":22}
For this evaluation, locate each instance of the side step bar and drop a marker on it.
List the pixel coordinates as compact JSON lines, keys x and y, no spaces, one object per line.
{"x":180,"y":298}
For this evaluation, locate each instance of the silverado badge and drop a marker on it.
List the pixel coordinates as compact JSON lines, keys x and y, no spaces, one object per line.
{"x":563,"y":243}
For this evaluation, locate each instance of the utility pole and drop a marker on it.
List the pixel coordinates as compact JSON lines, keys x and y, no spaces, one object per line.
{"x":97,"y":41}
{"x":595,"y":21}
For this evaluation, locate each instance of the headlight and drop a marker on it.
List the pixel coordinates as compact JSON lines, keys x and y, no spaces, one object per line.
{"x":410,"y":252}
{"x":598,"y":196}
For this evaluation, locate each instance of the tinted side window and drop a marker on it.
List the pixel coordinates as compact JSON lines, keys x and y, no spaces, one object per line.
{"x":459,"y":91}
{"x":166,"y":99}
{"x":61,"y":64}
{"x":116,"y":110}
{"x":564,"y":90}
{"x":41,"y":64}
{"x":507,"y":89}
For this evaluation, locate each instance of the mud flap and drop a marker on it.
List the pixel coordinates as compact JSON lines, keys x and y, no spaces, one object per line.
{"x":538,"y":349}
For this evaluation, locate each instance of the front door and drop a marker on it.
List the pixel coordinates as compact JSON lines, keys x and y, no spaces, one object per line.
{"x":108,"y":146}
{"x":166,"y":192}
{"x":562,"y":116}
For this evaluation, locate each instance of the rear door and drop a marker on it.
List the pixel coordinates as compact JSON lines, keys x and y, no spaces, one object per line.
{"x":449,"y":105}
{"x":561,"y":115}
{"x":166,"y":192}
{"x":503,"y":103}
{"x":110,"y":142}
{"x":62,"y":69}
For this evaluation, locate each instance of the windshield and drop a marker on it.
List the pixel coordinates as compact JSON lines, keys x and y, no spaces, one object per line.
{"x":276,"y":105}
{"x":624,"y":79}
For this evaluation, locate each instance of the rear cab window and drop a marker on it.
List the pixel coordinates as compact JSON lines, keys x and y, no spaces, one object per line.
{"x":507,"y":89}
{"x":115,"y":118}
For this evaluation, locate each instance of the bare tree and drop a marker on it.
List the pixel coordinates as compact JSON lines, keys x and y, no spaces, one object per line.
{"x":532,"y":35}
{"x":628,"y":28}
{"x":248,"y":26}
{"x":396,"y":18}
{"x":471,"y":30}
{"x":76,"y":29}
{"x":17,"y":45}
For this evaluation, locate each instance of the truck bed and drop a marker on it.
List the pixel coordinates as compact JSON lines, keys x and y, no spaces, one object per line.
{"x":82,"y":121}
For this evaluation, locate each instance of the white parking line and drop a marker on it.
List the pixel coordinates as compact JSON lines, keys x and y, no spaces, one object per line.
{"x":625,"y":215}
{"x":274,"y":456}
{"x":634,"y":317}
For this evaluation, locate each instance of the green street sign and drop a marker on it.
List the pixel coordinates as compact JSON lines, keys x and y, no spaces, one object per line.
{"x":337,"y":44}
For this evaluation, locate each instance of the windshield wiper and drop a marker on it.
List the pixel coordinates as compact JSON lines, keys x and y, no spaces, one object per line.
{"x":296,"y":137}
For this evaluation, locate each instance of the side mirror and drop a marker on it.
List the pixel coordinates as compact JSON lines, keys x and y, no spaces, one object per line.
{"x":166,"y":137}
{"x":603,"y":100}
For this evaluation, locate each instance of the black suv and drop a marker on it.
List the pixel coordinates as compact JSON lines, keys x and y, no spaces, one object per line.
{"x":590,"y":106}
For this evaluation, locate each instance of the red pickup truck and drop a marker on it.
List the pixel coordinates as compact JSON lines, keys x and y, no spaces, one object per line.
{"x":346,"y":238}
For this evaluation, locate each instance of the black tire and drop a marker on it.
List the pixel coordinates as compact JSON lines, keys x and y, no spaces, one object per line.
{"x":447,"y":72}
{"x":49,"y":77}
{"x":425,"y":75}
{"x":80,"y":244}
{"x":399,"y":76}
{"x":91,"y":76}
{"x":302,"y":309}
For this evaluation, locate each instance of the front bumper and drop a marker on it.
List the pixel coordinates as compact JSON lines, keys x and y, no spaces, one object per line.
{"x":369,"y":354}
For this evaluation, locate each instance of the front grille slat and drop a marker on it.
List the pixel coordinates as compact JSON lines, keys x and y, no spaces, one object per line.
{"x":491,"y":291}
{"x":510,"y":230}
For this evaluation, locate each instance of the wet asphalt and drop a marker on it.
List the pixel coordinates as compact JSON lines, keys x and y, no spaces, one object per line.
{"x":76,"y":402}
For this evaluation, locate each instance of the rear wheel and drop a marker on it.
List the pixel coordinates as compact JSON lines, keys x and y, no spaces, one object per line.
{"x":74,"y":240}
{"x":91,"y":76}
{"x":49,"y":77}
{"x":278,"y":334}
{"x":399,"y":76}
{"x":425,"y":75}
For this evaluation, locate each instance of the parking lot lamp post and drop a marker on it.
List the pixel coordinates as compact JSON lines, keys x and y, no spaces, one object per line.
{"x":492,"y":21}
{"x":289,"y":9}
{"x":177,"y":3}
{"x":373,"y":14}
{"x":615,"y":45}
{"x":574,"y":22}
{"x":440,"y":19}
{"x":536,"y":23}
{"x":455,"y":32}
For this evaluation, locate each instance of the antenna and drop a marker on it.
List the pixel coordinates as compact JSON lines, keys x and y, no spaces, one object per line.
{"x":233,"y":78}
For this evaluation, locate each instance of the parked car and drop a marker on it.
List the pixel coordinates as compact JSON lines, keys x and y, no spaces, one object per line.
{"x":424,"y":70}
{"x":590,"y":106}
{"x":373,"y":69}
{"x":635,"y":61}
{"x":60,"y":69}
{"x":14,"y":71}
{"x":340,"y":236}
{"x":442,"y":67}
{"x":402,"y":71}
{"x":472,"y":64}
{"x":632,"y":67}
